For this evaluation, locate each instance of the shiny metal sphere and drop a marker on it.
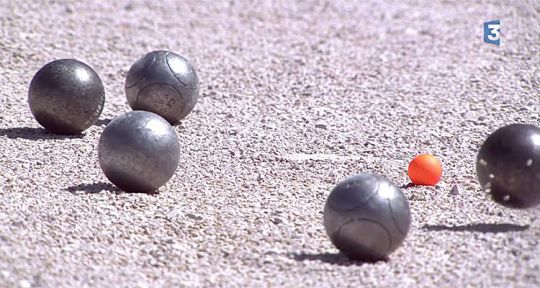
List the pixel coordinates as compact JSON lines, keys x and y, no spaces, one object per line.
{"x":508,"y":165}
{"x":66,"y":96}
{"x":367,"y":217}
{"x":164,"y":83}
{"x":139,"y":151}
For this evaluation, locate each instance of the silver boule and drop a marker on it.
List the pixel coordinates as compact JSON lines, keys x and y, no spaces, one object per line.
{"x":66,"y":96}
{"x":164,"y":83}
{"x":139,"y":151}
{"x":367,"y":217}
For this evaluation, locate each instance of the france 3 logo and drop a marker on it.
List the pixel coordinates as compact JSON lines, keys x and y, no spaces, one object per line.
{"x":492,"y":32}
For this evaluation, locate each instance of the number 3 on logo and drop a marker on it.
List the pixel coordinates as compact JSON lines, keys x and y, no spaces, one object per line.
{"x":495,"y":34}
{"x":492,"y":32}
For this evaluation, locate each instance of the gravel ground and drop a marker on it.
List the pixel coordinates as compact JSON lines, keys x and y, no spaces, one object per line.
{"x":295,"y":96}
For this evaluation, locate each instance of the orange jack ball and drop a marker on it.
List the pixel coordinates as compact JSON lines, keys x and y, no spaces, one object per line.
{"x":425,"y":169}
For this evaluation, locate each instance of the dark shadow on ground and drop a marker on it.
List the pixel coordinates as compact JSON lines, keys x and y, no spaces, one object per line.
{"x":93,"y":188}
{"x":480,"y":227}
{"x":103,"y":122}
{"x":408,"y":185}
{"x":34,"y":134}
{"x":97,"y":187}
{"x":179,"y":126}
{"x":331,"y":258}
{"x":411,"y":185}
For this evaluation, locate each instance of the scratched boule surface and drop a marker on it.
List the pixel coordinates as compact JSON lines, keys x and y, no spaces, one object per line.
{"x":295,"y":96}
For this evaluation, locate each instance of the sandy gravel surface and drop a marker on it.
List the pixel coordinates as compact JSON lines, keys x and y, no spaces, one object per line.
{"x":364,"y":87}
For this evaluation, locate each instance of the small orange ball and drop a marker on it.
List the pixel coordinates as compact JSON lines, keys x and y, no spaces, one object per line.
{"x":425,"y":169}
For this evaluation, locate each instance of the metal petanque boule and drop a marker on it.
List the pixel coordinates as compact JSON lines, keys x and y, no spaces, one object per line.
{"x":367,"y":217}
{"x":139,"y":151}
{"x":508,"y":166}
{"x":163,"y":82}
{"x":66,"y":96}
